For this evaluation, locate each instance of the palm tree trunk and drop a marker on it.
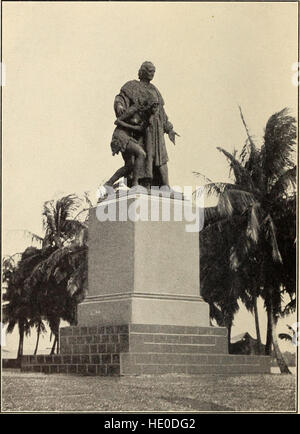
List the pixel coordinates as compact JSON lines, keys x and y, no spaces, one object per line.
{"x":37,"y":339}
{"x":21,"y":340}
{"x":54,"y":345}
{"x":54,"y":327}
{"x":258,"y":337}
{"x":57,"y":342}
{"x":268,"y":347}
{"x":279,"y":358}
{"x":229,"y":336}
{"x":75,"y":315}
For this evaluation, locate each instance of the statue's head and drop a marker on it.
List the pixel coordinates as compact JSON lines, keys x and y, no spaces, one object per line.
{"x":146,"y":71}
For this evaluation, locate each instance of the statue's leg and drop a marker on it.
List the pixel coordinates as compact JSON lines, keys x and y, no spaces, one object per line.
{"x":135,"y":149}
{"x":123,"y":171}
{"x":164,"y":174}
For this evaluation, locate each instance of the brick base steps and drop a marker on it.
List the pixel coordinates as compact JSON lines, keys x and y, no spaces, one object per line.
{"x":138,"y":349}
{"x":137,"y":364}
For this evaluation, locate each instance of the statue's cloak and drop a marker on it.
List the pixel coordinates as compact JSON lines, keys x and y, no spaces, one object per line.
{"x":154,"y":143}
{"x":134,"y":91}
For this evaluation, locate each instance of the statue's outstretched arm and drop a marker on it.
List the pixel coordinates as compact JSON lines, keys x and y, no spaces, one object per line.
{"x":168,"y":127}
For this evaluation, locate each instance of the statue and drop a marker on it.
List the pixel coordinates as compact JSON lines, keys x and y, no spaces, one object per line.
{"x":139,"y":134}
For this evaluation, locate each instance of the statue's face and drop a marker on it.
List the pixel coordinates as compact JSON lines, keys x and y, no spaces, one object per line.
{"x":147,"y":71}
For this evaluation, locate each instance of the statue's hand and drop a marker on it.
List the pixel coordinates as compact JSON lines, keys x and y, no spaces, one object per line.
{"x":172,"y":135}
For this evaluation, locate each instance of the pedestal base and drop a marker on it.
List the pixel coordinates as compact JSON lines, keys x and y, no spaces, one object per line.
{"x":138,"y":349}
{"x":139,"y":308}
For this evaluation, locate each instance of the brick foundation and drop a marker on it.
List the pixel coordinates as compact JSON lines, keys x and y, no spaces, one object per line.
{"x":138,"y":349}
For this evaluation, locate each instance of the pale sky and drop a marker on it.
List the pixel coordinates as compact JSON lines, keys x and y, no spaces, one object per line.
{"x":66,"y":61}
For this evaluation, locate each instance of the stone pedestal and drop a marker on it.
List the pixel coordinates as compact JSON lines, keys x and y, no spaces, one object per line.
{"x":144,"y":313}
{"x":144,"y":271}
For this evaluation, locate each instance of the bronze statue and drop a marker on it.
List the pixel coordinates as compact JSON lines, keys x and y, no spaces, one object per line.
{"x":139,"y":135}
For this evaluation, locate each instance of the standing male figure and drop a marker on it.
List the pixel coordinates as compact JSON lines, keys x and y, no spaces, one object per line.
{"x":156,"y":169}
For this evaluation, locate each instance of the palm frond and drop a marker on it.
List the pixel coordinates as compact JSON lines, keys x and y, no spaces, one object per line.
{"x":243,"y":179}
{"x":77,"y":285}
{"x":231,"y":197}
{"x":216,"y":314}
{"x":216,"y":188}
{"x":8,"y":266}
{"x":48,"y":215}
{"x":239,"y":251}
{"x":73,"y":227}
{"x":213,"y":221}
{"x":84,"y":210}
{"x":291,"y":328}
{"x":253,"y":227}
{"x":250,"y":141}
{"x":58,"y":265}
{"x":210,"y":215}
{"x":225,"y":207}
{"x":279,"y":144}
{"x":33,"y":237}
{"x":87,"y":199}
{"x":285,"y":182}
{"x":56,"y":214}
{"x":11,"y":326}
{"x":270,"y":231}
{"x":43,"y":270}
{"x":204,"y":178}
{"x":290,"y":307}
{"x":249,"y":151}
{"x":67,"y":205}
{"x":285,"y":337}
{"x":240,"y":200}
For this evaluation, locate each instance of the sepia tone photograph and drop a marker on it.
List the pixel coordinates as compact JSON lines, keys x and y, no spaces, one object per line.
{"x":149,"y":209}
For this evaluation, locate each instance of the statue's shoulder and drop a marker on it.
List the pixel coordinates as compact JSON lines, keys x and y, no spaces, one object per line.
{"x":131,"y":89}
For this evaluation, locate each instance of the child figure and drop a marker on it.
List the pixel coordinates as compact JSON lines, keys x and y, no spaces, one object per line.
{"x":128,"y":139}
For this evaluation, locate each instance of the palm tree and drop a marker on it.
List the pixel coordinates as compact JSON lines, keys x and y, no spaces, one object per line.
{"x":59,"y":225}
{"x":264,"y":182}
{"x":48,"y":282}
{"x":62,"y":272}
{"x":63,"y":276}
{"x":218,"y":284}
{"x":17,"y":307}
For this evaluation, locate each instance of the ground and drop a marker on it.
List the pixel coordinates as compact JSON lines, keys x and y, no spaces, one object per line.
{"x":164,"y":393}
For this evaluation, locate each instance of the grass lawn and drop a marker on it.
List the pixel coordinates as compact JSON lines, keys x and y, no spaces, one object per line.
{"x":164,"y":393}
